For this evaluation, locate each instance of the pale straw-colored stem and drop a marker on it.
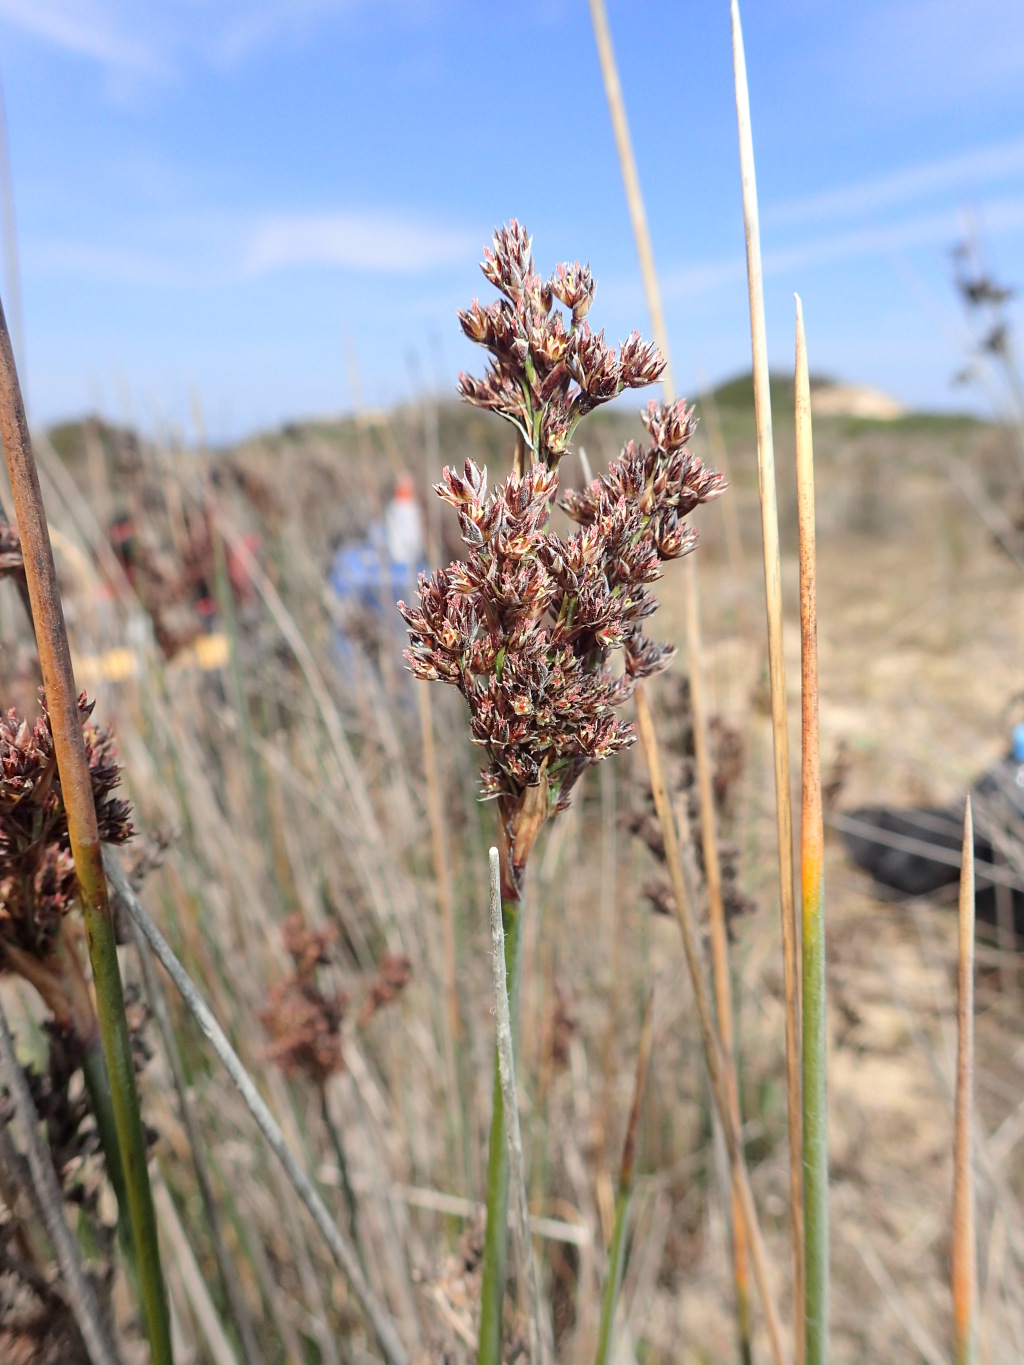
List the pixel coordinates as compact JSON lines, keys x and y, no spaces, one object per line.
{"x":812,"y":886}
{"x":712,"y":1047}
{"x":507,"y":1072}
{"x":51,"y":1202}
{"x":344,"y":1256}
{"x":964,"y":1253}
{"x":776,"y":663}
{"x":631,"y":182}
{"x":691,"y":603}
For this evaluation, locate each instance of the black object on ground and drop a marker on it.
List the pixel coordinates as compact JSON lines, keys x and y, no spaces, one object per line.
{"x":916,"y":852}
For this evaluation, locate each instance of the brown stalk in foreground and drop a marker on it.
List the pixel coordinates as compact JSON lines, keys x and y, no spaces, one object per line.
{"x":712,"y":1048}
{"x":964,"y":1269}
{"x":776,"y":668}
{"x":812,"y":891}
{"x":691,"y":601}
{"x":83,"y":831}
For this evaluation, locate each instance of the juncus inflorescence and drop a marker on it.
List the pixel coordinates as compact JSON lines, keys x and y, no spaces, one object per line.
{"x":528,"y":624}
{"x":37,"y":873}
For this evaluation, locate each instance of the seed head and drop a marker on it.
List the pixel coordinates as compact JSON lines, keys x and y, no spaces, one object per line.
{"x":546,"y":371}
{"x":38,"y":884}
{"x":543,"y":634}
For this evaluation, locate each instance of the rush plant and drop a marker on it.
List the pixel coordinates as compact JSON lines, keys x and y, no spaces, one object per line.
{"x":543,"y":634}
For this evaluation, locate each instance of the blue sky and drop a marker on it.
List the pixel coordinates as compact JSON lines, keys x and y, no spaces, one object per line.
{"x":231,"y":200}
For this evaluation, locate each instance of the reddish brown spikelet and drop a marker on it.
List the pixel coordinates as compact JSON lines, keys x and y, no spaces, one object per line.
{"x":38,"y":884}
{"x":546,"y":371}
{"x":394,"y":972}
{"x":528,"y":623}
{"x":303,"y":1022}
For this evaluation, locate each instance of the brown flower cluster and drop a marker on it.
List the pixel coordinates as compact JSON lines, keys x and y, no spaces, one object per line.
{"x":37,"y":873}
{"x":546,"y":371}
{"x":11,"y":562}
{"x":526,"y":626}
{"x":394,"y":972}
{"x":530,"y":626}
{"x":303,"y":1022}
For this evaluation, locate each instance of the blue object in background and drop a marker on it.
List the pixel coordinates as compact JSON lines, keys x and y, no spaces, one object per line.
{"x":363,"y":574}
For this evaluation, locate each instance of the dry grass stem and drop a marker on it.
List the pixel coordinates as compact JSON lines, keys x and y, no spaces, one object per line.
{"x":65,"y":719}
{"x":627,"y":1171}
{"x":691,"y":602}
{"x":507,"y":1071}
{"x":812,"y":849}
{"x":47,"y":1192}
{"x":776,"y":661}
{"x":345,"y":1257}
{"x":705,"y":1018}
{"x":964,"y":1248}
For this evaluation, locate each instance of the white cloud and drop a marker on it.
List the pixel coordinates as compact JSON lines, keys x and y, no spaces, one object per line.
{"x":941,"y":229}
{"x":87,"y":28}
{"x":981,"y":166}
{"x":125,"y":37}
{"x":353,"y":241}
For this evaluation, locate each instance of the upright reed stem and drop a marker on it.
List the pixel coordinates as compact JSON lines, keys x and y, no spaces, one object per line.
{"x":964,"y":1253}
{"x":812,"y":879}
{"x":83,"y":831}
{"x":507,"y":1073}
{"x":776,"y":664}
{"x":492,"y":1290}
{"x":691,"y":602}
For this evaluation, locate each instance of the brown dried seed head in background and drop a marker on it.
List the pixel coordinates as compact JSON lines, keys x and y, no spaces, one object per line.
{"x":305,"y":1026}
{"x":304,"y":1022}
{"x":393,"y":974}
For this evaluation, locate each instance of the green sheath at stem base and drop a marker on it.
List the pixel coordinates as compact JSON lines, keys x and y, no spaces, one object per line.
{"x":492,"y":1293}
{"x":616,"y":1256}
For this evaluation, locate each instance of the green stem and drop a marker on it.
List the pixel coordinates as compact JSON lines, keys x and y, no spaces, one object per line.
{"x":815,"y":1130}
{"x":128,"y":1122}
{"x":94,"y":1070}
{"x":616,"y":1257}
{"x":492,"y":1293}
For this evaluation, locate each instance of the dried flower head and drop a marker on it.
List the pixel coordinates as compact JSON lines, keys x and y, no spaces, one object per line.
{"x":528,"y":625}
{"x":303,"y":1022}
{"x":546,"y":371}
{"x":394,"y":971}
{"x":11,"y":562}
{"x":38,"y":884}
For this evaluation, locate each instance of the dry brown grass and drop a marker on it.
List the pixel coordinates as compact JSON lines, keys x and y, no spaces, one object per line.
{"x":920,"y":629}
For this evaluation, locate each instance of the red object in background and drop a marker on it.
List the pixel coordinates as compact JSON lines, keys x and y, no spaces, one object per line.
{"x":241,"y":583}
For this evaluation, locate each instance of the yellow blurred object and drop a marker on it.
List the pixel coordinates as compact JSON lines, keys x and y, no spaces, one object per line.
{"x":207,"y":652}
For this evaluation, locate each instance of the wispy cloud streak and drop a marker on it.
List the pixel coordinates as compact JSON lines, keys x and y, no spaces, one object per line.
{"x":354,"y":241}
{"x":940,"y":228}
{"x":981,"y":166}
